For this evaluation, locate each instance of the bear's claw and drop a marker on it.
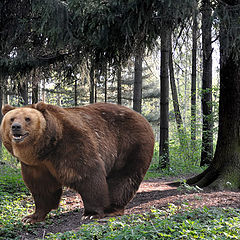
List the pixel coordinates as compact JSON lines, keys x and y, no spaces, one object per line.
{"x":90,"y":217}
{"x":33,"y":218}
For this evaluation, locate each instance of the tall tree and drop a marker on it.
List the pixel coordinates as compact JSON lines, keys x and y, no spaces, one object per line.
{"x":34,"y":88}
{"x":164,"y":100}
{"x":176,"y":107}
{"x":92,"y":84}
{"x":97,"y":76}
{"x":23,"y":91}
{"x":105,"y":76}
{"x":223,"y":171}
{"x":194,"y":76}
{"x":137,"y":88}
{"x":207,"y":128}
{"x":119,"y":84}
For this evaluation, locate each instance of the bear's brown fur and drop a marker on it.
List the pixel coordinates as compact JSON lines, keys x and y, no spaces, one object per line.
{"x":102,"y":151}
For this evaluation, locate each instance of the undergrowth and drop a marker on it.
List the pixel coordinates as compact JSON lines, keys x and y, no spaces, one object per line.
{"x":171,"y":223}
{"x":12,"y":206}
{"x":183,"y":162}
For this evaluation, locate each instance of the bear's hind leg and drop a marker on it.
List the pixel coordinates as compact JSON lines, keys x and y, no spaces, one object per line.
{"x":45,"y":189}
{"x":124,"y":183}
{"x":94,"y":192}
{"x":121,"y":190}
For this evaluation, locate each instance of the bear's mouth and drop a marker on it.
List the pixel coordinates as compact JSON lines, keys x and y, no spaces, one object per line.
{"x":18,"y":137}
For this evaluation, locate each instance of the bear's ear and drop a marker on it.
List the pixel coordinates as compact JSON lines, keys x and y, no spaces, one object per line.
{"x":6,"y":108}
{"x":41,"y":106}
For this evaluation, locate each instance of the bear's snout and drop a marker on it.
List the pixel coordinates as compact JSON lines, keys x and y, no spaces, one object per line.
{"x":16,"y":127}
{"x":18,"y":132}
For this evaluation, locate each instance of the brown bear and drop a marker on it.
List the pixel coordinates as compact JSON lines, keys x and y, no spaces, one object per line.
{"x":102,"y":151}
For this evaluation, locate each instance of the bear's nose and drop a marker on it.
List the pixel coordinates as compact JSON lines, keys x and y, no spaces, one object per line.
{"x":16,"y":126}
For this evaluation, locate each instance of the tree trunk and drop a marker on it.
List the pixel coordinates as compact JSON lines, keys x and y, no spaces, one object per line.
{"x":22,"y":88}
{"x":105,"y":74}
{"x":207,"y":128}
{"x":91,"y":85}
{"x":119,"y":84}
{"x":194,"y":79}
{"x":34,"y":91}
{"x":177,"y":112}
{"x":224,"y":170}
{"x":164,"y":101}
{"x":137,"y":89}
{"x":95,"y":87}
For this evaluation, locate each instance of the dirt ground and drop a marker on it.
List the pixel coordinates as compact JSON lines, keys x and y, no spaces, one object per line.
{"x":152,"y":193}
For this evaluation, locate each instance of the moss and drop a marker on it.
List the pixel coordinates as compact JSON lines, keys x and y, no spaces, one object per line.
{"x":227,"y":181}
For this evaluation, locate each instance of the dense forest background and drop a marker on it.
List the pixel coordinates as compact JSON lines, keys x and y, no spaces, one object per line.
{"x":161,"y":58}
{"x":175,"y":62}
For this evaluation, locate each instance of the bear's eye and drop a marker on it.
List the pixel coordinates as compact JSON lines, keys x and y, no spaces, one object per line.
{"x":27,"y":119}
{"x":12,"y":119}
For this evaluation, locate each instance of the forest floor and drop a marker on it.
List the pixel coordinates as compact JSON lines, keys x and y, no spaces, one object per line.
{"x":152,"y":193}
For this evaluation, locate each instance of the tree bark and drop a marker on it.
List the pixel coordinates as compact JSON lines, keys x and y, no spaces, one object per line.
{"x":34,"y":91}
{"x":164,"y":101}
{"x":91,"y":100}
{"x":177,"y":112}
{"x":119,"y":84}
{"x":207,"y":127}
{"x":105,"y":74}
{"x":194,"y":79}
{"x":95,"y":87}
{"x":22,"y":88}
{"x":224,"y":170}
{"x":137,"y":89}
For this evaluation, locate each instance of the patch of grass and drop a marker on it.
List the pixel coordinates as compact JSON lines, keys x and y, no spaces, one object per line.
{"x":172,"y":223}
{"x":8,"y":158}
{"x":12,"y":205}
{"x":12,"y":210}
{"x":175,"y":170}
{"x":11,"y":181}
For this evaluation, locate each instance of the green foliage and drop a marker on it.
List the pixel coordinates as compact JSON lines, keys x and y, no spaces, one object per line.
{"x":45,"y":32}
{"x":183,"y":160}
{"x":172,"y":223}
{"x":11,"y":181}
{"x":7,"y":158}
{"x":11,"y":212}
{"x":13,"y":204}
{"x":184,"y":187}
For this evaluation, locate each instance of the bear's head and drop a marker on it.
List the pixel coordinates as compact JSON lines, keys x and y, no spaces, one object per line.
{"x":29,"y":131}
{"x":22,"y":126}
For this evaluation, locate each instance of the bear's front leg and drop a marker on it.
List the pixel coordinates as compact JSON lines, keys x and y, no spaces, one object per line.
{"x":44,"y":203}
{"x":45,"y":189}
